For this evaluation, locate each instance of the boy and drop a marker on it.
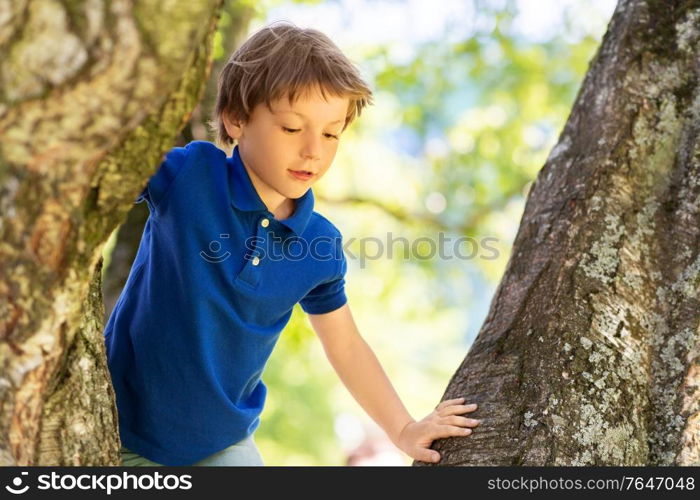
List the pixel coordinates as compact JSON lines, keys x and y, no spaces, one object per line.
{"x":208,"y":293}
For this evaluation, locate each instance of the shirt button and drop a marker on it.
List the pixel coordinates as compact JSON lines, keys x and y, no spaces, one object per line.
{"x":264,"y":222}
{"x":256,"y":260}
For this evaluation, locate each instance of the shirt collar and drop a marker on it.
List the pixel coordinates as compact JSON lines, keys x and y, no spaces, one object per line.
{"x":245,"y":197}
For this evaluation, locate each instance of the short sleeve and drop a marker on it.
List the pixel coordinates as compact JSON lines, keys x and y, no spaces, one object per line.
{"x":329,"y":295}
{"x":159,"y":184}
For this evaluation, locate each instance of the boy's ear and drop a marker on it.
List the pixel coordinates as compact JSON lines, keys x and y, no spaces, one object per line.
{"x":232,"y":125}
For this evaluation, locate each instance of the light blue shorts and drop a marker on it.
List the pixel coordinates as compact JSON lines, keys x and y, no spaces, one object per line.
{"x":242,"y":453}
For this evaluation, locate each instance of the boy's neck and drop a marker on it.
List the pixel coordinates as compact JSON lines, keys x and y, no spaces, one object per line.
{"x":280,"y":206}
{"x":284,"y":210}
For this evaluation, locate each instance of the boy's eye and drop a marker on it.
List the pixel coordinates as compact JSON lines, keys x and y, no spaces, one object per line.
{"x":293,"y":130}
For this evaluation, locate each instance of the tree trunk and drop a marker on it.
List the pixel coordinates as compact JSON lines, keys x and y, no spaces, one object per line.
{"x":93,"y":94}
{"x":590,"y":354}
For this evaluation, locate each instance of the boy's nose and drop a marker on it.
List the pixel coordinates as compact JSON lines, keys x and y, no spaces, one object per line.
{"x":312,"y":149}
{"x":310,"y":156}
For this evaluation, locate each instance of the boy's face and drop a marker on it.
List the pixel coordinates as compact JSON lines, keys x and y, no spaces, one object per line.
{"x":273,"y":144}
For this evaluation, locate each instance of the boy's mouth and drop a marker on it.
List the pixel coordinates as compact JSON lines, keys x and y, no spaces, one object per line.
{"x":303,"y":175}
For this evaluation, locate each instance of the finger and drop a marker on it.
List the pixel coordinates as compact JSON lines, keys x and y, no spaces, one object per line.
{"x":460,"y":421}
{"x":457,"y":409}
{"x":448,"y":402}
{"x":430,"y":456}
{"x":453,"y":430}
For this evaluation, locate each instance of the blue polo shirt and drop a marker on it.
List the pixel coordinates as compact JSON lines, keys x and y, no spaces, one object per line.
{"x":212,"y":286}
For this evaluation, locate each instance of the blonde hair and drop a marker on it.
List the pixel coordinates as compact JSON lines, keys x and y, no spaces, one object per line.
{"x":281,"y":59}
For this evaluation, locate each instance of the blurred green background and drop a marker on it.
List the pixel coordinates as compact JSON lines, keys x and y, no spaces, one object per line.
{"x":470,"y":96}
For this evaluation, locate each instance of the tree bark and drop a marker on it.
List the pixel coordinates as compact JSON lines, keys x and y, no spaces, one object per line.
{"x":92,"y":96}
{"x":590,"y":354}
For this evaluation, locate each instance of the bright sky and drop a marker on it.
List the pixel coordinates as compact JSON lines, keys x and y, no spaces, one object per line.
{"x":360,"y":22}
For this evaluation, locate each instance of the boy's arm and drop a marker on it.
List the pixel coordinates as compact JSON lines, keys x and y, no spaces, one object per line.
{"x":360,"y":371}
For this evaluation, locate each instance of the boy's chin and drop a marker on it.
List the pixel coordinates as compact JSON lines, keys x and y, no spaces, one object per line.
{"x":298,"y":192}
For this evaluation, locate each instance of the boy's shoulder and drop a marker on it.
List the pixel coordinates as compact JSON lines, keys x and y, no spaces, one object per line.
{"x":178,"y":157}
{"x":320,"y":225}
{"x":175,"y":162}
{"x":201,"y":147}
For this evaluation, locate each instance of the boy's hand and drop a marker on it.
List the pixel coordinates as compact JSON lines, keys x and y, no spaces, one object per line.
{"x":416,"y":437}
